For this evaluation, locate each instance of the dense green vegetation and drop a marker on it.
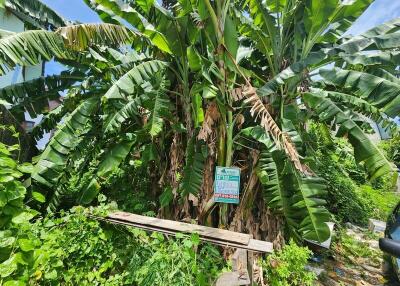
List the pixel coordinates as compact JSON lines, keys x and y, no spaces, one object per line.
{"x":159,"y":95}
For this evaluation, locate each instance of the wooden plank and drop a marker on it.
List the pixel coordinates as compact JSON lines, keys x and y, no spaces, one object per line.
{"x":250,"y":264}
{"x":239,"y":265}
{"x":228,"y":279}
{"x":260,"y":246}
{"x":203,"y":231}
{"x":171,"y":232}
{"x":252,"y":245}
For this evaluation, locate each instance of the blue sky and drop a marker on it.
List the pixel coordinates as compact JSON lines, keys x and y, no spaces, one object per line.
{"x":73,"y":10}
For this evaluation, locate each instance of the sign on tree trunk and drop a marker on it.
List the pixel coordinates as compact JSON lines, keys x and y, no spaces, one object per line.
{"x":227,"y":185}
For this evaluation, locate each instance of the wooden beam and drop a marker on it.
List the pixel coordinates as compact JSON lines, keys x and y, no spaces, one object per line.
{"x":203,"y":231}
{"x":208,"y":234}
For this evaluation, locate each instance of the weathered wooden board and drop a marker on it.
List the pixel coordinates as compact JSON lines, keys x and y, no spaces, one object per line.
{"x":203,"y":231}
{"x":261,"y":246}
{"x":213,"y":235}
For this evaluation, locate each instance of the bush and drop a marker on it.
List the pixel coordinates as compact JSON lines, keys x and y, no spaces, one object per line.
{"x":382,"y":202}
{"x":74,"y":249}
{"x":343,"y":199}
{"x":391,"y":148}
{"x":287,"y":267}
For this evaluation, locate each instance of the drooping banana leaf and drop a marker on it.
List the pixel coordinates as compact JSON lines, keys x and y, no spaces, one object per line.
{"x":113,"y":11}
{"x":128,"y":111}
{"x":380,"y":92}
{"x":194,"y":169}
{"x":53,"y":160}
{"x":298,"y":198}
{"x":160,"y":109}
{"x":33,"y":95}
{"x":137,"y":76}
{"x":32,"y":47}
{"x":381,"y":58}
{"x":109,"y":163}
{"x":36,"y":13}
{"x":80,"y":37}
{"x":310,"y":207}
{"x":365,"y":151}
{"x":362,"y":106}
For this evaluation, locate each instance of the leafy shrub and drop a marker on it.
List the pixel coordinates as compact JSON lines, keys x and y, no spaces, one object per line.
{"x":17,"y":245}
{"x":74,"y":249}
{"x":382,"y":202}
{"x":391,"y":148}
{"x":343,"y":199}
{"x":287,"y":267}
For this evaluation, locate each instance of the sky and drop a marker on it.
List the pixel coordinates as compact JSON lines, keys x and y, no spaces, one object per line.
{"x":75,"y":10}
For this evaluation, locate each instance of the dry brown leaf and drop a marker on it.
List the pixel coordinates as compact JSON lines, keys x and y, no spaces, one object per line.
{"x":212,"y":115}
{"x":260,"y":112}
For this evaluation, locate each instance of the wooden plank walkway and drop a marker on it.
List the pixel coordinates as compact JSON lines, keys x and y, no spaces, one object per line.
{"x":214,"y":235}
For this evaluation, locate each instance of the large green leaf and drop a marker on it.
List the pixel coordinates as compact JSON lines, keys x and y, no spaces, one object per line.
{"x":33,"y":95}
{"x":381,"y":58}
{"x":113,"y":10}
{"x":160,"y":109}
{"x":365,"y":151}
{"x":109,"y":163}
{"x":318,"y":15}
{"x":380,"y":92}
{"x":128,"y":111}
{"x":362,"y":106}
{"x":277,"y":197}
{"x":53,"y":160}
{"x":32,"y":47}
{"x":36,"y":13}
{"x":194,"y":169}
{"x":297,"y":198}
{"x":311,"y":207}
{"x":80,"y":37}
{"x":133,"y":79}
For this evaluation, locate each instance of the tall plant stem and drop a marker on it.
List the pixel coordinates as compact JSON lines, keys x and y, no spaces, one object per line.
{"x":229,"y":140}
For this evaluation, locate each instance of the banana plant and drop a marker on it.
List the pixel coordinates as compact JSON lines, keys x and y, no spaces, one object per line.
{"x":186,"y":86}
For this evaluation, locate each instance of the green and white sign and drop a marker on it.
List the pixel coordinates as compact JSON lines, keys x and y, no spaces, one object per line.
{"x":227,"y":185}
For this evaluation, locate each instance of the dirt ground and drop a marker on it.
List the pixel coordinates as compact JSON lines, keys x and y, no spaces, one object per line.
{"x":355,"y":259}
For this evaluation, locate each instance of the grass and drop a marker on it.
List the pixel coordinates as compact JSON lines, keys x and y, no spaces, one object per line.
{"x":382,"y":202}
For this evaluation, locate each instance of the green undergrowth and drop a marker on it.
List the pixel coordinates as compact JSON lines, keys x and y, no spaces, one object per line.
{"x":72,"y":249}
{"x":351,"y":196}
{"x":383,"y":202}
{"x":354,"y":250}
{"x":287,"y":267}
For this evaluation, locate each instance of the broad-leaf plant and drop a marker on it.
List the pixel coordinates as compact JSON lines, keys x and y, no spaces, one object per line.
{"x":184,"y":86}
